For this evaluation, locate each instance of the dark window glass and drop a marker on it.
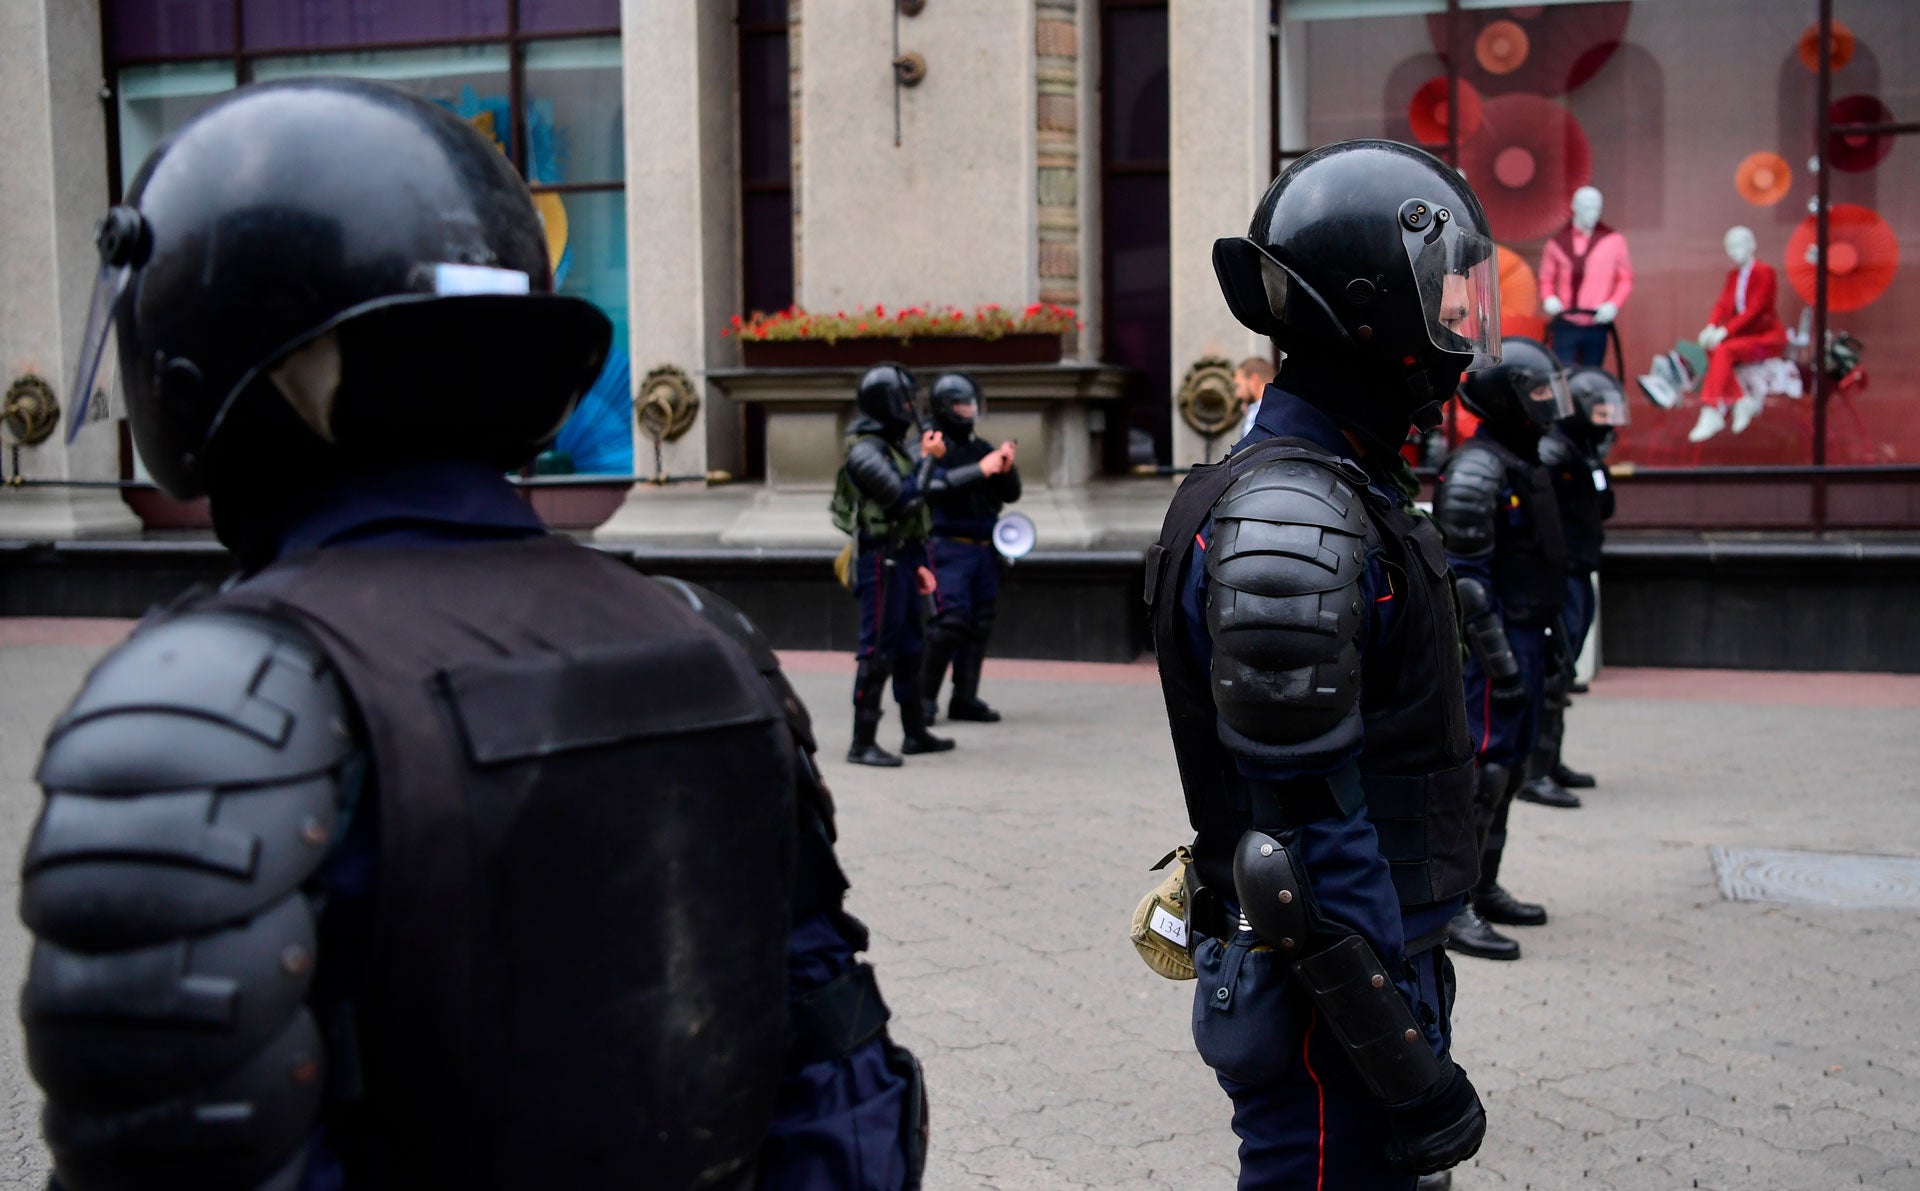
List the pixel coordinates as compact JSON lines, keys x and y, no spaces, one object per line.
{"x":566,"y":16}
{"x":1136,"y":85}
{"x":288,"y":24}
{"x":153,"y":28}
{"x":766,"y":130}
{"x":1137,"y":301}
{"x":763,"y":12}
{"x":768,"y":228}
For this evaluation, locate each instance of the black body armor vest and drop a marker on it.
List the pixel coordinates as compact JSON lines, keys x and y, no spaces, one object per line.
{"x":586,"y":805}
{"x":1530,"y":552}
{"x":1585,"y":506}
{"x":1416,"y":760}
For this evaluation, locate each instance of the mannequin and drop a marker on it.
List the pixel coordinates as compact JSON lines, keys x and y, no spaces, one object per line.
{"x":1743,"y":329}
{"x":1585,"y":267}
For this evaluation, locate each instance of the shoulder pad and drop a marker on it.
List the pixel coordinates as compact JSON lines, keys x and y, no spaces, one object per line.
{"x":743,"y":632}
{"x":1465,"y":497}
{"x":1284,"y":608}
{"x":1288,"y":526}
{"x":195,"y":780}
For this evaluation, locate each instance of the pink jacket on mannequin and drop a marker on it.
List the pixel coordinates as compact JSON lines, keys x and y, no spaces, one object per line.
{"x":1605,"y":276}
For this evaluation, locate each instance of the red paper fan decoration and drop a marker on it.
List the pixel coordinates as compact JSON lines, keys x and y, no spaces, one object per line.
{"x":1525,"y":163}
{"x":1859,"y":152}
{"x":1428,"y":111}
{"x":1810,"y":46}
{"x":1519,"y":296}
{"x":1545,"y":49}
{"x":1862,"y":251}
{"x":1763,"y":179}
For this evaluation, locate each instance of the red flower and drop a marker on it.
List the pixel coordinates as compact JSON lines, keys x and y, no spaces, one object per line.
{"x":879,"y":311}
{"x":861,"y":327}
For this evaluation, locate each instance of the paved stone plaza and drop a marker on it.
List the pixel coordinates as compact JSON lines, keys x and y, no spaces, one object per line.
{"x":1655,"y":1036}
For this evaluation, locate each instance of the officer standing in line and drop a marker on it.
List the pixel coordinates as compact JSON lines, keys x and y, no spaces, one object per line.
{"x":335,"y":884}
{"x":1309,"y":654}
{"x":880,"y":497}
{"x":1494,"y":502}
{"x":1574,"y":454}
{"x":969,"y":486}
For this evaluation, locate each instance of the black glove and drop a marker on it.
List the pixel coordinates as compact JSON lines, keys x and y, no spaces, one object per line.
{"x":1508,"y":691}
{"x":1442,"y":1127}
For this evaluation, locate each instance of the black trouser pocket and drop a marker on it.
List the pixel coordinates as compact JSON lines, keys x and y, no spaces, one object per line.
{"x":1248,"y":1015}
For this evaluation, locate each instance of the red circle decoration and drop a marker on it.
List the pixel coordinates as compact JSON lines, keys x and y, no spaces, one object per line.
{"x":1428,"y":111}
{"x":1810,"y":46}
{"x":1501,"y":47}
{"x":1863,"y":254}
{"x":1545,"y":49}
{"x":1856,"y":153}
{"x":1525,"y":163}
{"x":1763,"y":178}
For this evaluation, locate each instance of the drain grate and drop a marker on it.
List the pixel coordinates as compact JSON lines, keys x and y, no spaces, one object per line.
{"x":1845,"y":879}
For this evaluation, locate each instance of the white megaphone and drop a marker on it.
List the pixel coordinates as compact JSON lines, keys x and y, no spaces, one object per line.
{"x":1013,"y":536}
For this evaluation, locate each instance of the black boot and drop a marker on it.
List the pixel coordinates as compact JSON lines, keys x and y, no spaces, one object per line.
{"x":941,"y":647}
{"x":869,"y":683}
{"x":1443,"y":1181}
{"x":1495,"y":904}
{"x":1547,"y":792}
{"x":863,"y":750}
{"x":914,"y":719}
{"x":1573,"y":779}
{"x":966,"y":704}
{"x":1469,"y":934}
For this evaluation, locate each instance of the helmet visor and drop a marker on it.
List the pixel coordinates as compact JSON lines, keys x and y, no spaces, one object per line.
{"x":95,"y":341}
{"x":1600,"y":400}
{"x":1548,"y":401}
{"x":1454,"y":271}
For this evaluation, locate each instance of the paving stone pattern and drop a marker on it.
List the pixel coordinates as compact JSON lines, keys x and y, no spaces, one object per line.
{"x":1655,"y":1036}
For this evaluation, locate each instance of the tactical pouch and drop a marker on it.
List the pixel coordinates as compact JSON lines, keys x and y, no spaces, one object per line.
{"x":1248,"y":1013}
{"x":1160,"y":931}
{"x":843,"y":566}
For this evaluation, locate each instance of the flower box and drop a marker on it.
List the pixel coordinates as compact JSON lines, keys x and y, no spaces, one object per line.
{"x":941,"y":351}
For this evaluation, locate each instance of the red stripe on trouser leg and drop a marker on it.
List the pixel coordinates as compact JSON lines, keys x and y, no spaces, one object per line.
{"x":1320,"y":1178}
{"x":1486,"y":715}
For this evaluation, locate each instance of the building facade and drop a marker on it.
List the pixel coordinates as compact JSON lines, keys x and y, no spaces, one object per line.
{"x":700,"y":162}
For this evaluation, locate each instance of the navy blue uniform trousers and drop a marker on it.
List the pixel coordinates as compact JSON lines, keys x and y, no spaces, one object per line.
{"x":1505,"y":733}
{"x":890,"y":621}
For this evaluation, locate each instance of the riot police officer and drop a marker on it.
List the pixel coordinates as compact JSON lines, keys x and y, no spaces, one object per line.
{"x":1574,"y":454}
{"x":1305,"y":629}
{"x":969,"y":485}
{"x":434,"y":851}
{"x":880,"y":498}
{"x":1494,"y":502}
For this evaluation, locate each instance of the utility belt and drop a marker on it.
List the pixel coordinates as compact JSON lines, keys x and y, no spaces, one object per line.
{"x":964,"y":541}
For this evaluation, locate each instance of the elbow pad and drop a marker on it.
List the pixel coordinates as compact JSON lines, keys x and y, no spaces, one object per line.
{"x":192,"y":792}
{"x":1484,"y":632}
{"x":1465,"y":500}
{"x":1284,"y":611}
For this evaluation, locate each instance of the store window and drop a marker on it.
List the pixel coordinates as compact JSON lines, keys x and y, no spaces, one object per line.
{"x":552,"y":103}
{"x":1136,"y":260}
{"x":1689,"y":121}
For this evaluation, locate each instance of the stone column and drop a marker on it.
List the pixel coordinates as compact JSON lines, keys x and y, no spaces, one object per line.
{"x":53,"y":190}
{"x":1220,"y":164}
{"x":682,"y":212}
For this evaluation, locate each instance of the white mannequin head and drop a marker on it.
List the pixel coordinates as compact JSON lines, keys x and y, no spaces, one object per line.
{"x":1739,"y":245}
{"x":1586,"y":208}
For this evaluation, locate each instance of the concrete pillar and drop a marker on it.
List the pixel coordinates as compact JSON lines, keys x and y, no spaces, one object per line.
{"x":53,"y":189}
{"x":682,"y":254}
{"x":947,"y":216}
{"x":1220,"y":161}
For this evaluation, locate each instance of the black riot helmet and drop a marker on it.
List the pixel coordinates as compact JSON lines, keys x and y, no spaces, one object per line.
{"x":886,"y":395}
{"x":1370,"y":264}
{"x":349,"y":251}
{"x":1600,"y":404}
{"x":1524,"y":394}
{"x":956,"y":403}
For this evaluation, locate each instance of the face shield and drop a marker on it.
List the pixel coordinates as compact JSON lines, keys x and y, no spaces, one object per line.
{"x":1547,"y":400}
{"x":1600,"y":400}
{"x":124,"y":243}
{"x":1454,"y":272}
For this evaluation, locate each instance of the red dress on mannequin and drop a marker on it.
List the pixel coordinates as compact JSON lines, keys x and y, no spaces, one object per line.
{"x":1754,"y":332}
